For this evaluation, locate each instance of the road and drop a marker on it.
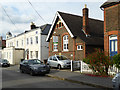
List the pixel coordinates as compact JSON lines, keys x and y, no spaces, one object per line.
{"x":12,"y":78}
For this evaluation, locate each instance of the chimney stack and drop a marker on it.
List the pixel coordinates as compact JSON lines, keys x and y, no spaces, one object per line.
{"x":85,"y":19}
{"x":32,"y":26}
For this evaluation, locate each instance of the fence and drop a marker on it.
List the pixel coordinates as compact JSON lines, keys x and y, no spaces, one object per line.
{"x":80,"y":66}
{"x":83,"y":67}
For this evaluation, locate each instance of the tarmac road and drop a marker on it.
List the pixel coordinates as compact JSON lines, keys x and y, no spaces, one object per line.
{"x":15,"y":79}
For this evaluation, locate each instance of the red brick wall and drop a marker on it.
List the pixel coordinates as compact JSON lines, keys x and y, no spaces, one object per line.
{"x":111,"y":25}
{"x":60,"y":32}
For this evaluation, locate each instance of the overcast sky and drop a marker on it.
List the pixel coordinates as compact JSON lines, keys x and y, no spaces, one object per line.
{"x":22,"y":14}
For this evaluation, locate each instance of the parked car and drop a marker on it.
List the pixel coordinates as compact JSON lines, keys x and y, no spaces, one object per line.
{"x":116,"y":81}
{"x":59,"y":61}
{"x":4,"y":63}
{"x":33,"y":67}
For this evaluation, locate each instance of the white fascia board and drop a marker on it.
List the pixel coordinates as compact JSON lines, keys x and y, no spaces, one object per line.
{"x":58,"y":15}
{"x":51,"y":27}
{"x":66,"y":26}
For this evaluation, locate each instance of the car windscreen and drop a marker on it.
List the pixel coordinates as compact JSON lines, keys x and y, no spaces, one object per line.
{"x":34,"y":62}
{"x":62,"y":58}
{"x":4,"y":61}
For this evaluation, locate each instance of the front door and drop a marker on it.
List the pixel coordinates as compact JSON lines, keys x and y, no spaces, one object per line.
{"x":113,"y":47}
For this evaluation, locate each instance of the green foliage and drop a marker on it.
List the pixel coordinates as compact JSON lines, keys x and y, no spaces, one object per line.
{"x":116,"y":60}
{"x":98,"y":62}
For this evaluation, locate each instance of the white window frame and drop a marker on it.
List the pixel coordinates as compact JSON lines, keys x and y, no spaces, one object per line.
{"x":36,"y":39}
{"x":55,"y":47}
{"x":27,"y":41}
{"x":31,"y":40}
{"x":55,"y":43}
{"x":65,"y":43}
{"x":17,"y":43}
{"x":79,"y":47}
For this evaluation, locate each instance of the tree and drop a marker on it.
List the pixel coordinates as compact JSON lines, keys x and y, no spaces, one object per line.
{"x":116,"y":60}
{"x":98,"y":62}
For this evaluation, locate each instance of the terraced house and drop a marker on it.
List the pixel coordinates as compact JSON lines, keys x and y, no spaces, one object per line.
{"x":111,"y":10}
{"x":75,"y":36}
{"x":30,"y":44}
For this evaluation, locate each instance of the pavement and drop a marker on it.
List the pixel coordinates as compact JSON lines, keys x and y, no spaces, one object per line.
{"x":77,"y":77}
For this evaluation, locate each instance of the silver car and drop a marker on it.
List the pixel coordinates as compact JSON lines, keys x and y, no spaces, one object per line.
{"x":59,"y":61}
{"x":116,"y":81}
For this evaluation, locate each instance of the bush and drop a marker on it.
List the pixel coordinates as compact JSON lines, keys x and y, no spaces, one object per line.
{"x":116,"y":60}
{"x":98,"y":62}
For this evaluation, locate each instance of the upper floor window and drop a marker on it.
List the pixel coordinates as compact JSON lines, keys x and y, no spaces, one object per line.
{"x":17,"y":43}
{"x":22,"y":42}
{"x":59,"y":25}
{"x":36,"y":39}
{"x":27,"y":41}
{"x":31,"y":40}
{"x":79,"y":47}
{"x":65,"y":43}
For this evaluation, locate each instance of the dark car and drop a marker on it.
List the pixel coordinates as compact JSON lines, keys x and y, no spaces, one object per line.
{"x":4,"y":63}
{"x":33,"y":67}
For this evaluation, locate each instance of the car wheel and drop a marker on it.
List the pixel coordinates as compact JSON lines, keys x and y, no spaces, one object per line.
{"x":59,"y":67}
{"x":32,"y":73}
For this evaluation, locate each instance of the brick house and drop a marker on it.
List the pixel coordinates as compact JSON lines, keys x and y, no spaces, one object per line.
{"x":75,"y":36}
{"x":111,"y":27}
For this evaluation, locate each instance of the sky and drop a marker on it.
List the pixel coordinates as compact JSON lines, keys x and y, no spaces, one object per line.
{"x":16,"y":15}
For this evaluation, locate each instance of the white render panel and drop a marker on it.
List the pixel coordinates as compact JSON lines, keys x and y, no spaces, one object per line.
{"x":12,"y":42}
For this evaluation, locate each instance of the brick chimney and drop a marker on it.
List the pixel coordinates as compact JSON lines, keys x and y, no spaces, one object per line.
{"x":32,"y":26}
{"x":85,"y":19}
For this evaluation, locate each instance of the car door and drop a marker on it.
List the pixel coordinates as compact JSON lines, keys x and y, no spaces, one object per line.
{"x":25,"y":66}
{"x":50,"y":61}
{"x":55,"y":61}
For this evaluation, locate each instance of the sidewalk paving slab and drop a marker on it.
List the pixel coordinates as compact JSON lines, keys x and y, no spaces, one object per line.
{"x":77,"y":77}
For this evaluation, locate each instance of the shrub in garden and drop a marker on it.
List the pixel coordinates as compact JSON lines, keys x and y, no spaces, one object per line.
{"x":116,"y":60}
{"x":98,"y":62}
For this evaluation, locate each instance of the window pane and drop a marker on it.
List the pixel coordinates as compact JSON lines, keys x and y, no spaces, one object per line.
{"x":112,"y":45}
{"x":115,"y":45}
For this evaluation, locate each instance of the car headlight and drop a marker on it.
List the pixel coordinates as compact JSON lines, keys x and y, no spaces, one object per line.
{"x":1,"y":63}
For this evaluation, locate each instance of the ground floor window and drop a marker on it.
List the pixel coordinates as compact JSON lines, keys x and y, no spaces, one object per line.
{"x":31,"y":54}
{"x":55,"y":43}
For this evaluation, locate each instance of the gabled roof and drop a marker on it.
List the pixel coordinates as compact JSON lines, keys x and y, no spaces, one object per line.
{"x":74,"y":23}
{"x":110,"y":3}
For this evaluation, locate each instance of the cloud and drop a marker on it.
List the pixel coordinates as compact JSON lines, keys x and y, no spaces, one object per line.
{"x":22,"y":13}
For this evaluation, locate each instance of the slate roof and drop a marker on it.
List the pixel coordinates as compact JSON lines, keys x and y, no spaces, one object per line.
{"x":45,"y":29}
{"x":95,"y":28}
{"x":110,"y":3}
